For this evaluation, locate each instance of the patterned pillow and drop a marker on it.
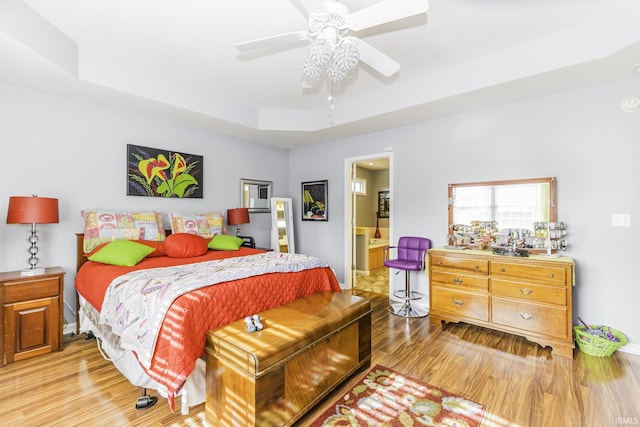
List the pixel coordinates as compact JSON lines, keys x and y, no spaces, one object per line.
{"x":103,"y":226}
{"x":206,"y":225}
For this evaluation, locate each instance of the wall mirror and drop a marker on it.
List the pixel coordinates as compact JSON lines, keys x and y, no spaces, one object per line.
{"x":255,"y":195}
{"x":513,"y":204}
{"x":282,"y":236}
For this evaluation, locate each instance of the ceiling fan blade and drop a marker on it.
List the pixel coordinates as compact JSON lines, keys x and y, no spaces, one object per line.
{"x":376,"y":59}
{"x":272,"y":41}
{"x":387,"y":11}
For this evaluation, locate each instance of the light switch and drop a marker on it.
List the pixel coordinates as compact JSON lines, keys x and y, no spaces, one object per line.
{"x":621,"y":220}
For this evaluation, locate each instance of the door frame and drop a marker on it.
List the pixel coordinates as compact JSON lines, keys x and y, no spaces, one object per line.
{"x":349,"y":222}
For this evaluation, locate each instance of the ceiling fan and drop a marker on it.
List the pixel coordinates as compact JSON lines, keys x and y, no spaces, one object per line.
{"x":334,"y":52}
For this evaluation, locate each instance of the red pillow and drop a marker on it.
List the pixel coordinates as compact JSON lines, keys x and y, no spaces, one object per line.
{"x":157,"y":245}
{"x":185,"y":245}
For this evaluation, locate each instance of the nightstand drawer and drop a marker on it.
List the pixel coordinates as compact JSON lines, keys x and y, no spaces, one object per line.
{"x":31,"y":289}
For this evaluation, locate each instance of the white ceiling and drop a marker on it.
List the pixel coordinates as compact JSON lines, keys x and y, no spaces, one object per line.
{"x":176,"y":59}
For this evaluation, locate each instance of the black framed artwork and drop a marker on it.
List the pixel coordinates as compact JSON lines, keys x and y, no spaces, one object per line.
{"x":383,"y":204}
{"x":314,"y":201}
{"x":155,"y":172}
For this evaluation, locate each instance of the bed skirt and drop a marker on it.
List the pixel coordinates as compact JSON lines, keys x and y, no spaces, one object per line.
{"x":193,"y":392}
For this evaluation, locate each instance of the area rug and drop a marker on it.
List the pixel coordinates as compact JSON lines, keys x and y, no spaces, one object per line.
{"x":386,"y":398}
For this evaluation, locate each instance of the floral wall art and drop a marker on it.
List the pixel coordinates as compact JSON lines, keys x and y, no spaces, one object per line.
{"x":162,"y":173}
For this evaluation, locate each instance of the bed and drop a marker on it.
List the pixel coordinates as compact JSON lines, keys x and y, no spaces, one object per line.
{"x":172,"y":362}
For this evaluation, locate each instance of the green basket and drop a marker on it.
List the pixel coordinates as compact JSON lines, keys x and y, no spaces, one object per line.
{"x":598,"y":346}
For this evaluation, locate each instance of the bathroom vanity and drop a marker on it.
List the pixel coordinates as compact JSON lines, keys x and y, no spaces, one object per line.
{"x":370,"y":250}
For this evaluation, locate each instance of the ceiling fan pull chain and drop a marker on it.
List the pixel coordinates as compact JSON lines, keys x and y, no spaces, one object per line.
{"x":332,"y":105}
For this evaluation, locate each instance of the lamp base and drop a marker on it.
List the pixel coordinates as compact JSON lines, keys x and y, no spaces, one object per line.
{"x":32,"y":272}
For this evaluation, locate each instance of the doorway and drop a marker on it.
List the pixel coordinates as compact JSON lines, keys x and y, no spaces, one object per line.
{"x":368,"y":221}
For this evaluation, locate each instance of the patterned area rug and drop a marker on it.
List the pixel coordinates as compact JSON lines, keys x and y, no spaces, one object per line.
{"x":386,"y":398}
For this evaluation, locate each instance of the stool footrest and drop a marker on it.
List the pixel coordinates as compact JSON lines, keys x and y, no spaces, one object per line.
{"x":408,"y":310}
{"x":411,"y":295}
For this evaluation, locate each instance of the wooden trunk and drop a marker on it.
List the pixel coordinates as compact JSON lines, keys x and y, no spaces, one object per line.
{"x":274,"y":376}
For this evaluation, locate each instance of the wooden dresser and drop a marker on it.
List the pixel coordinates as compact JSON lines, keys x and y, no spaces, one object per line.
{"x":529,"y":296}
{"x":274,"y":376}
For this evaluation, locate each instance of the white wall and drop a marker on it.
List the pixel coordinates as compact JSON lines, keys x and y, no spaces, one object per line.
{"x":580,"y":137}
{"x":76,"y":152}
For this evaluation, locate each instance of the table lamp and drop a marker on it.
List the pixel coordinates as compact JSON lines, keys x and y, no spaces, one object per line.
{"x":238,"y":216}
{"x":32,"y":210}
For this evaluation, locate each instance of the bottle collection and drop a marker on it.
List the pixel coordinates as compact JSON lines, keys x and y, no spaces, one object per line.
{"x":546,"y":237}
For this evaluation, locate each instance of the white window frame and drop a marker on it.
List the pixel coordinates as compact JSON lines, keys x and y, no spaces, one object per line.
{"x":359,"y":186}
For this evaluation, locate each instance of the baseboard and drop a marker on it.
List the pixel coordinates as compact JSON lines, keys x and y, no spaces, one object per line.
{"x":630,"y":348}
{"x":69,"y":329}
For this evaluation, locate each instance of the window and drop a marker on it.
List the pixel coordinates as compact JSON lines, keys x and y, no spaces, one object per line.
{"x":514,"y":206}
{"x":359,"y":186}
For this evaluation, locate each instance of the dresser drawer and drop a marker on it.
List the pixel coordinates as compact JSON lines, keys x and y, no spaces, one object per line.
{"x":460,"y":303}
{"x":456,"y":280}
{"x":529,"y":292}
{"x":541,"y":319}
{"x":546,"y":274}
{"x":470,"y":265}
{"x":31,"y":289}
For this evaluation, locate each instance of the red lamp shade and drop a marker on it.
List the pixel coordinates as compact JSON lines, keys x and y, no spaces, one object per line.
{"x":238,"y":216}
{"x":32,"y":210}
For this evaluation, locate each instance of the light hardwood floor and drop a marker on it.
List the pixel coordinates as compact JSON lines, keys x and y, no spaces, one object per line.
{"x":520,"y":383}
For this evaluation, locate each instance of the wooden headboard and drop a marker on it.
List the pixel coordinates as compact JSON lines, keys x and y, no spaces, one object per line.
{"x":80,"y":255}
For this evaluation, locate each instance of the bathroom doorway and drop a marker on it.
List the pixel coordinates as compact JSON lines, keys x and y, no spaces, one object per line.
{"x":369,"y":221}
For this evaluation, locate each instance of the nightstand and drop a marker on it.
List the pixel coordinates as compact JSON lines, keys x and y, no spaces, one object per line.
{"x":31,"y":313}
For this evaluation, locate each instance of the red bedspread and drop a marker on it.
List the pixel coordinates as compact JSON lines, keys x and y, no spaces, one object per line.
{"x":183,"y":335}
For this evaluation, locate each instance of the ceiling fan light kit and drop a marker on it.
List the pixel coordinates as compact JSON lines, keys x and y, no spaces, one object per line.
{"x":338,"y":61}
{"x":333,"y":53}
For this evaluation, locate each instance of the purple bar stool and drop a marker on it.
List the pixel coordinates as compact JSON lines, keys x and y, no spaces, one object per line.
{"x":411,"y":253}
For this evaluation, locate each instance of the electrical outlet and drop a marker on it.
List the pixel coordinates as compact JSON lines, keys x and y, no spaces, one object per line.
{"x":621,"y":220}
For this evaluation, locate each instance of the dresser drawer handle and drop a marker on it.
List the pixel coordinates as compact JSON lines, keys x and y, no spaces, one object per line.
{"x":526,"y":291}
{"x":440,"y":262}
{"x":458,"y":302}
{"x":477,"y":267}
{"x":551,"y":276}
{"x":502,"y":270}
{"x":526,"y":316}
{"x":458,"y":281}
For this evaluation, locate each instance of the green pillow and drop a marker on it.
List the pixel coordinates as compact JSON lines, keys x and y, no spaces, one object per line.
{"x":122,"y":252}
{"x":224,"y":242}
